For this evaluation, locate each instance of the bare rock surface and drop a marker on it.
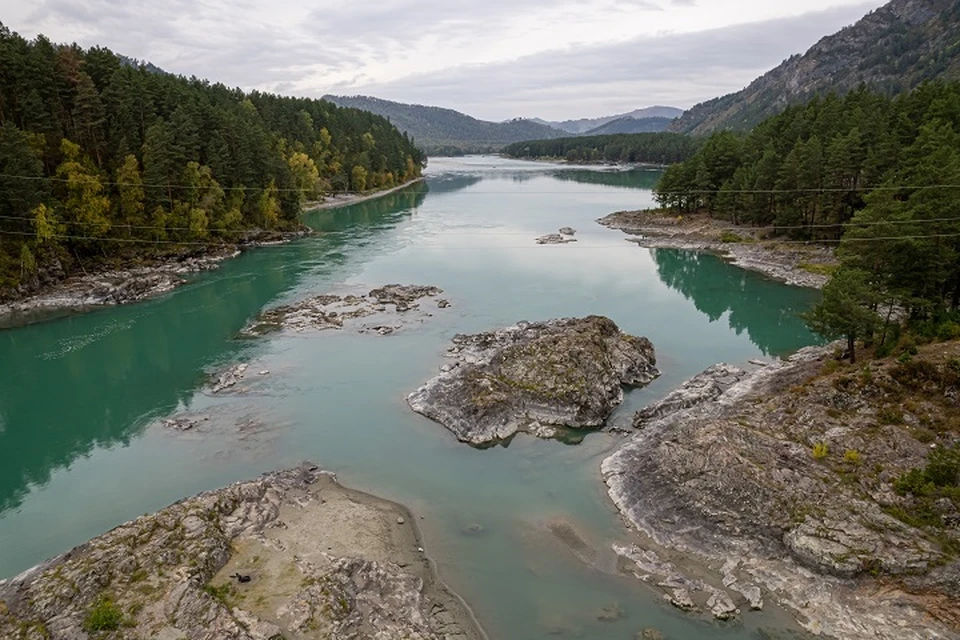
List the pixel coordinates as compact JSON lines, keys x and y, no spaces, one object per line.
{"x":315,"y":560}
{"x":800,"y":265}
{"x":535,"y":377}
{"x":389,"y":308}
{"x":782,"y":481}
{"x":555,"y":238}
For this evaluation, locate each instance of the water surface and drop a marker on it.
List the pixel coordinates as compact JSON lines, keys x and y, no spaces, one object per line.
{"x":80,"y":397}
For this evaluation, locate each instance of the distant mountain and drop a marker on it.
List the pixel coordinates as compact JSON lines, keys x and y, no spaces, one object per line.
{"x":584,"y":125}
{"x":628,"y":124}
{"x":445,"y":131}
{"x":127,"y":61}
{"x":892,"y":49}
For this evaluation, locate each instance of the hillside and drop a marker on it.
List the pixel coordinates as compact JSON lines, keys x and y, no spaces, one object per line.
{"x":584,"y":125}
{"x":892,"y":49}
{"x":104,"y":162}
{"x":629,"y":124}
{"x":438,"y":130}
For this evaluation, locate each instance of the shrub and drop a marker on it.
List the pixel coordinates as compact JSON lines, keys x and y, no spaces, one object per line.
{"x":820,"y":451}
{"x":729,"y":237}
{"x":105,"y":615}
{"x":852,"y":456}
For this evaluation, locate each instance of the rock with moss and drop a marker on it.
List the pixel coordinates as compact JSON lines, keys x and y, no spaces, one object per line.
{"x":795,"y":478}
{"x":537,"y":377}
{"x":291,"y":535}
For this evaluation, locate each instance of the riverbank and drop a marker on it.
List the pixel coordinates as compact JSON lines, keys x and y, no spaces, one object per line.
{"x":797,"y":264}
{"x":314,"y":559}
{"x":783,"y":479}
{"x":112,"y":286}
{"x":344,"y":199}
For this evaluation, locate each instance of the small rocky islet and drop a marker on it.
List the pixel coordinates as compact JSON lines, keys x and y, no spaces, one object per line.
{"x":292,"y":554}
{"x":387,"y":308}
{"x":535,"y":377}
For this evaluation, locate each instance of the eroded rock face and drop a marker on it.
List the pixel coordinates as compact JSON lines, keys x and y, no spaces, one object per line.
{"x":330,"y":311}
{"x":535,"y":377}
{"x":159,"y":574}
{"x":724,"y":470}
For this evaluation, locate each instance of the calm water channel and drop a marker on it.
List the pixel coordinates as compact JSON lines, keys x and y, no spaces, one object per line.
{"x":80,"y":397}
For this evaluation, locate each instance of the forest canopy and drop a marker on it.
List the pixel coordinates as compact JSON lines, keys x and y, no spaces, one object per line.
{"x":651,"y":148}
{"x":101,"y":158}
{"x":878,"y":175}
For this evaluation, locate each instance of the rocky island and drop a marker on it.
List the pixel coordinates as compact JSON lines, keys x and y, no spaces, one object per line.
{"x":331,"y":311}
{"x":826,"y":486}
{"x":536,"y":377}
{"x":291,"y":554}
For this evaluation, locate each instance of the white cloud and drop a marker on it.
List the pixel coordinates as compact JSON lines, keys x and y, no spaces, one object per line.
{"x":494,"y":59}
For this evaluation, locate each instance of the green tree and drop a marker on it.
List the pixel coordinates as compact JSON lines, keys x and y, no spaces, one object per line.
{"x":847,"y":309}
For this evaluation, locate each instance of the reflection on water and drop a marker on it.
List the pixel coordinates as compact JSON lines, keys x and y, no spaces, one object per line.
{"x":77,"y":395}
{"x":766,"y":310}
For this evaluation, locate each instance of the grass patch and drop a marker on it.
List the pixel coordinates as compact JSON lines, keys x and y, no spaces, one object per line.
{"x":105,"y":615}
{"x":819,"y":269}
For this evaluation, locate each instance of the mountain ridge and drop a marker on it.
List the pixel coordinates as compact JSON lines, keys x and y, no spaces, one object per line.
{"x":438,"y":129}
{"x":892,"y":49}
{"x":583,"y":125}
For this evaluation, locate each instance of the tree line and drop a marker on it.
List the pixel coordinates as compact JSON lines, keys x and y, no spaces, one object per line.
{"x":104,"y":159}
{"x":878,"y":175}
{"x":651,"y":148}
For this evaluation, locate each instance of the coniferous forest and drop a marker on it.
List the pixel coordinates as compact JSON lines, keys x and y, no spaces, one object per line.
{"x":103,"y":159}
{"x":880,"y":176}
{"x":649,"y":148}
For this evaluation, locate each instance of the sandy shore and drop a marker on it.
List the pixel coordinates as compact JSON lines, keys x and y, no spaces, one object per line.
{"x":798,"y":264}
{"x":344,"y":199}
{"x":318,"y":560}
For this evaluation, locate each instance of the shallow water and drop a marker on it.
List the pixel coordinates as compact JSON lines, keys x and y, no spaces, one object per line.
{"x":80,"y":397}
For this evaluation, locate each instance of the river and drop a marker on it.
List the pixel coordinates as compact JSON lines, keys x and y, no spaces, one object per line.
{"x":81,"y":397}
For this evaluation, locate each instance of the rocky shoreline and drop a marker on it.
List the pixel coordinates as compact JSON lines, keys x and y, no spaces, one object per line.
{"x":779,"y":479}
{"x":126,"y":286}
{"x":797,"y":264}
{"x":539,"y":378}
{"x":344,"y":199}
{"x":291,"y":554}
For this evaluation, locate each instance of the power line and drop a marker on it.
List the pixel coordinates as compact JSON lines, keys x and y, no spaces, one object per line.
{"x":820,"y":190}
{"x":578,"y":247}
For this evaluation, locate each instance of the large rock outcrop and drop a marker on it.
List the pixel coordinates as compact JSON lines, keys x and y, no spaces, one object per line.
{"x":786,"y":478}
{"x":317,"y":561}
{"x":535,"y":377}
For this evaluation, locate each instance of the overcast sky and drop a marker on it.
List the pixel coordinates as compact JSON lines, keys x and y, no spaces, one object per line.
{"x":493,"y":59}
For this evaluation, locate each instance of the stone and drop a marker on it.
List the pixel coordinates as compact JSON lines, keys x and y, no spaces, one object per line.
{"x":555,"y":238}
{"x":400,"y":520}
{"x":649,"y":634}
{"x":611,"y":613}
{"x":681,"y":599}
{"x":568,"y":231}
{"x":535,"y":377}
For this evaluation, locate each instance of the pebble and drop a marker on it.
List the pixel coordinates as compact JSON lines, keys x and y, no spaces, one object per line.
{"x":400,"y":520}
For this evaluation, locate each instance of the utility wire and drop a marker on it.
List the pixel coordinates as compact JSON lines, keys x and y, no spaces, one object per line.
{"x":821,"y":190}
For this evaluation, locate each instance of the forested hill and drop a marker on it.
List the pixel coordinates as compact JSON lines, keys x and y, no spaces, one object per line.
{"x":631,"y":125}
{"x":584,"y":125}
{"x":881,"y":173}
{"x":653,"y":148}
{"x":893,"y":49}
{"x":101,"y":159}
{"x":438,"y":130}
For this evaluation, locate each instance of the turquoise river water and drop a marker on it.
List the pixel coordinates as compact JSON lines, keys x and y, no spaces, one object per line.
{"x":81,"y":397}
